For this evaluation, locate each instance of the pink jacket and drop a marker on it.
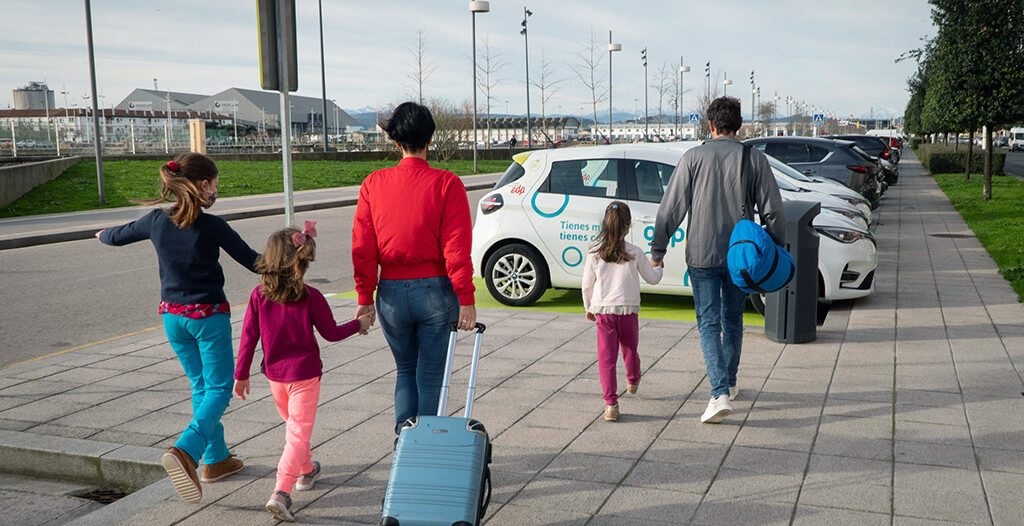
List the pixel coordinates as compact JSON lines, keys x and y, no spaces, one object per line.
{"x":616,"y":284}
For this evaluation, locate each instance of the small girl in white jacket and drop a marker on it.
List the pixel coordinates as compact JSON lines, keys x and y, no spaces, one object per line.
{"x":611,"y":297}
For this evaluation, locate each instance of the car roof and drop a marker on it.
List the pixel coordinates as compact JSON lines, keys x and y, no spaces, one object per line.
{"x":805,"y":140}
{"x":613,"y":150}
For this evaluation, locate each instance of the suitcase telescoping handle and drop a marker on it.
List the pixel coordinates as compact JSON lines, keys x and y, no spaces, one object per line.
{"x":480,"y":328}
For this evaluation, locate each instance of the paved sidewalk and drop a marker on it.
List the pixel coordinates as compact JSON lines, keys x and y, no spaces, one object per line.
{"x":908,"y":409}
{"x":17,"y":232}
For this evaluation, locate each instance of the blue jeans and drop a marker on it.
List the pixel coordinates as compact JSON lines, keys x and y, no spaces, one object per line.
{"x":206,"y":354}
{"x":719,"y":306}
{"x":415,"y":315}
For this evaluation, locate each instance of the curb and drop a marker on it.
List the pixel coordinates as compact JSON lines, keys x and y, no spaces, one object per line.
{"x":87,"y":461}
{"x":90,"y":231}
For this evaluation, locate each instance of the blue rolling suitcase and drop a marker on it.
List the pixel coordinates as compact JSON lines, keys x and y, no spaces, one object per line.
{"x":440,"y":473}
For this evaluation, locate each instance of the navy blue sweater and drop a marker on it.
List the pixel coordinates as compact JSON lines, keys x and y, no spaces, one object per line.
{"x":189,"y":270}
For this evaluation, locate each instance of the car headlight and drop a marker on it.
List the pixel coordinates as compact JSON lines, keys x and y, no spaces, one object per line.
{"x":856,"y":215}
{"x":844,"y":235}
{"x":853,"y":200}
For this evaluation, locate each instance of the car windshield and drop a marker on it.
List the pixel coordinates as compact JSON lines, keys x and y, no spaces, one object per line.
{"x":512,"y":173}
{"x":788,"y":170}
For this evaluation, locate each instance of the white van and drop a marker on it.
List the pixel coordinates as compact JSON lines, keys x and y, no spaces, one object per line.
{"x":1016,"y":139}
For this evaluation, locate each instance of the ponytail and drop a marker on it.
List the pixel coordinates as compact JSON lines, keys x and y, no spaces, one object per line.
{"x":180,"y":181}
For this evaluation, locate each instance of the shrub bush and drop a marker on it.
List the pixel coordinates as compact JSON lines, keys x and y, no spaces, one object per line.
{"x":938,"y":158}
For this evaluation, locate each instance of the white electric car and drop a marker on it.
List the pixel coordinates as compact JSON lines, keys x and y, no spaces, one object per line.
{"x":533,"y":230}
{"x":822,"y":185}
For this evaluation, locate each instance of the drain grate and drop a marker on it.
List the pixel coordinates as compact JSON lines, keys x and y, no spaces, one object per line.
{"x":953,"y":235}
{"x":100,"y":495}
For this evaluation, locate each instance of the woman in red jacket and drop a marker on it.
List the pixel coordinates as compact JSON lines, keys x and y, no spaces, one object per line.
{"x":411,"y":242}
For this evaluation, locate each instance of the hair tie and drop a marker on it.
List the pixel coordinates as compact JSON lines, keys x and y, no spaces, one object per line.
{"x":173,"y":166}
{"x":615,"y":206}
{"x":308,"y":230}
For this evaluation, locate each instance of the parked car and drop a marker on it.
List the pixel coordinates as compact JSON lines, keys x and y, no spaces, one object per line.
{"x":821,"y":185}
{"x":1002,"y":141}
{"x":533,"y":230}
{"x":895,"y":138}
{"x":879,"y":148}
{"x":837,"y":160}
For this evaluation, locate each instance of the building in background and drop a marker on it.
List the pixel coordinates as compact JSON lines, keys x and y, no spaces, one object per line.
{"x":261,"y":109}
{"x":151,"y":99}
{"x":33,"y":96}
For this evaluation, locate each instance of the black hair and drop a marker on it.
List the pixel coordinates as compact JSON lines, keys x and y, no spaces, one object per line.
{"x":725,"y":113}
{"x":411,"y":125}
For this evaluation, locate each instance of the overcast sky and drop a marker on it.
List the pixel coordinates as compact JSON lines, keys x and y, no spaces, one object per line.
{"x":837,"y":55}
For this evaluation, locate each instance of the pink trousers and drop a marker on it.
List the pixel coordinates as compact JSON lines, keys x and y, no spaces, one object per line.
{"x":615,"y":332}
{"x":296,"y":403}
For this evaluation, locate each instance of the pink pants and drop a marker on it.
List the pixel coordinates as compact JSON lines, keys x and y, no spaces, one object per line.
{"x":614,"y":332}
{"x":296,"y":403}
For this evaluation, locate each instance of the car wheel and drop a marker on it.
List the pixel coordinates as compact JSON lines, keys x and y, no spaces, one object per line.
{"x":516,"y":275}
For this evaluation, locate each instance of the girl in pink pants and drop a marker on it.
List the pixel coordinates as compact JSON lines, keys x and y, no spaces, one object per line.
{"x":282,"y":312}
{"x":611,"y":297}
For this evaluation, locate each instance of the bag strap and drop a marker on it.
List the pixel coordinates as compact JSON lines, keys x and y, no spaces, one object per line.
{"x":747,"y":183}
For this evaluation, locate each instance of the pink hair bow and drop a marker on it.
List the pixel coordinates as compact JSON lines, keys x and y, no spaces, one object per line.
{"x":308,"y":229}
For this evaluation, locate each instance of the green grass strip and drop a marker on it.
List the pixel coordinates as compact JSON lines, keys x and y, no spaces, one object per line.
{"x":998,"y":224}
{"x":652,"y":306}
{"x":128,"y":181}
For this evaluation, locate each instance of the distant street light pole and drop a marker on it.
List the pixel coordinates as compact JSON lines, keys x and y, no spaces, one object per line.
{"x":647,"y":117}
{"x":753,"y":104}
{"x":725,"y":85}
{"x":95,"y":102}
{"x":323,"y":73}
{"x":477,"y":6}
{"x":612,"y":47}
{"x":526,"y":45}
{"x":682,"y":69}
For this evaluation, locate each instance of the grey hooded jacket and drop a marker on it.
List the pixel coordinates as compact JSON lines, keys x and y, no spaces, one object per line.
{"x":706,"y":185}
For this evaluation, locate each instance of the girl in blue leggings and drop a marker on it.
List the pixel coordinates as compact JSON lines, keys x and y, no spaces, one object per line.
{"x":194,"y":309}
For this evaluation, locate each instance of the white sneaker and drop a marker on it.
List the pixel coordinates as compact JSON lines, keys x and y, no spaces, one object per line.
{"x":280,"y":506}
{"x":734,"y":392}
{"x":718,"y":409}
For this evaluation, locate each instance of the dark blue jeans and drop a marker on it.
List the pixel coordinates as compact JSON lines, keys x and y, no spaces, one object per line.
{"x":415,"y":315}
{"x":719,"y":306}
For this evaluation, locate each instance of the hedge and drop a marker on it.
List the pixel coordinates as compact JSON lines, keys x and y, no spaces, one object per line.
{"x":939,"y":158}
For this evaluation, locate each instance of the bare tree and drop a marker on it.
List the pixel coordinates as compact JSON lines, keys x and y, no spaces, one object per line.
{"x":422,"y":69}
{"x":453,"y":124}
{"x":591,"y":57}
{"x":548,"y":86}
{"x":767,"y":116}
{"x":488,"y":80}
{"x":662,"y":85}
{"x":709,"y":93}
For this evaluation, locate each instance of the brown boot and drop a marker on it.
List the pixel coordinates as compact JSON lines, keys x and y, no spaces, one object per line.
{"x":182,"y":470}
{"x":224,"y":468}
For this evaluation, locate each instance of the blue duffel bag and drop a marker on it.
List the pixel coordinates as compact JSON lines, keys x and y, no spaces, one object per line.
{"x":757,"y":263}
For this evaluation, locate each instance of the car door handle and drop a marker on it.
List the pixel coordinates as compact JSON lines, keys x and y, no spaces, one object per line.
{"x":648,"y":220}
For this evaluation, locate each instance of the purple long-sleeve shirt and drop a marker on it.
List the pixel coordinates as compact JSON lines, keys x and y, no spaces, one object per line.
{"x":290,"y":351}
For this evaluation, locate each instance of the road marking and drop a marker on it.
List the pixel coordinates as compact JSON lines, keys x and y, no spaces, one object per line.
{"x":114,"y":273}
{"x":83,"y":346}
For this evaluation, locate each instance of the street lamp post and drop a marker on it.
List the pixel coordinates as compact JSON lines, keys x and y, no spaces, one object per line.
{"x":753,"y":104}
{"x":647,"y":117}
{"x":323,"y":74}
{"x":725,"y":85}
{"x":682,"y":69}
{"x":477,"y":6}
{"x":526,"y":45}
{"x":612,"y":47}
{"x":95,"y":102}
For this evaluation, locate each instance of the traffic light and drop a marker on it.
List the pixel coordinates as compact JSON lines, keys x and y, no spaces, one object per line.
{"x":751,"y":77}
{"x":643,"y":56}
{"x":707,"y":69}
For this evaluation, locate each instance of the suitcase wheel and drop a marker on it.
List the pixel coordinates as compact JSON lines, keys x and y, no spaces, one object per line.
{"x":389,"y":521}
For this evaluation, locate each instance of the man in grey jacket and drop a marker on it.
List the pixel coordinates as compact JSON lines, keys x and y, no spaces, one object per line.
{"x":706,"y":189}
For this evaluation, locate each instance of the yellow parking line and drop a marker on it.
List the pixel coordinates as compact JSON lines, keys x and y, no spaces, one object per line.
{"x":83,"y":346}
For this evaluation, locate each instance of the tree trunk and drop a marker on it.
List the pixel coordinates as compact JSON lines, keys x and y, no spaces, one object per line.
{"x":956,"y":144}
{"x":945,"y":139}
{"x":986,"y":192}
{"x":970,"y":155}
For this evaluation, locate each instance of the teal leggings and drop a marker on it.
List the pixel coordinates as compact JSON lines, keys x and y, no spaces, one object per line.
{"x":204,"y":350}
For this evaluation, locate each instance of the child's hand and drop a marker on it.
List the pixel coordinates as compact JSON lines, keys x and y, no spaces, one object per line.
{"x":99,"y":233}
{"x":241,"y":388}
{"x":591,"y":317}
{"x":364,"y":324}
